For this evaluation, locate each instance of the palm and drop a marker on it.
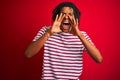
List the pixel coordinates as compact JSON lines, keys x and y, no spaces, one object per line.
{"x":56,"y":25}
{"x":74,"y":24}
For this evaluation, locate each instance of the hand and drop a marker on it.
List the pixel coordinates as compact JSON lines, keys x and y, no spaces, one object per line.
{"x":74,"y":26}
{"x":56,"y":25}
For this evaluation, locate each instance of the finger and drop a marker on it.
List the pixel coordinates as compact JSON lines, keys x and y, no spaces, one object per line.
{"x":60,"y":17}
{"x":74,"y":21}
{"x":56,"y":18}
{"x":71,"y":20}
{"x":77,"y":21}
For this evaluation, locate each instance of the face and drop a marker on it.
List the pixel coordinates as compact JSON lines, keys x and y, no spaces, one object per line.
{"x":69,"y":14}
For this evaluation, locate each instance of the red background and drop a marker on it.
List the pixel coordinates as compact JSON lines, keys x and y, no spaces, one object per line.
{"x":20,"y":20}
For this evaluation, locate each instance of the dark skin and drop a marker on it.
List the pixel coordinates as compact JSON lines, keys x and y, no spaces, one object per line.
{"x":67,"y":15}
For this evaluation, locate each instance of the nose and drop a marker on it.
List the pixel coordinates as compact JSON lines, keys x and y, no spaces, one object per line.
{"x":66,"y":16}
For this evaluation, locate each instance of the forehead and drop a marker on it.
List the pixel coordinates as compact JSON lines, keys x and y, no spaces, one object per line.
{"x":67,"y":9}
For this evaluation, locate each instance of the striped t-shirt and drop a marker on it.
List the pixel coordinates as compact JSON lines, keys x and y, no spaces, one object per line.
{"x":63,"y":55}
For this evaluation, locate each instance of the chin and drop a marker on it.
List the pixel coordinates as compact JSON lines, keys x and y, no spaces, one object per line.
{"x":66,"y":30}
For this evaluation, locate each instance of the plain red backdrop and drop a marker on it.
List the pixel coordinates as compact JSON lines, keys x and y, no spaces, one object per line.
{"x":20,"y":20}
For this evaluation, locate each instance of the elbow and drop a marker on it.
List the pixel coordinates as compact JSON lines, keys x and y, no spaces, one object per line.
{"x":99,"y":60}
{"x":27,"y":54}
{"x":99,"y":57}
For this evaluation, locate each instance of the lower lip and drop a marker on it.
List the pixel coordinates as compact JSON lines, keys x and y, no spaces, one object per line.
{"x":65,"y":27}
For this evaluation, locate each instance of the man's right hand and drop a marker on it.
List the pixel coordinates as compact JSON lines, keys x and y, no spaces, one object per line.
{"x":56,"y":24}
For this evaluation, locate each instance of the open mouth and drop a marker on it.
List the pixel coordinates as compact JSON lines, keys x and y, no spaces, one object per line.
{"x":65,"y":25}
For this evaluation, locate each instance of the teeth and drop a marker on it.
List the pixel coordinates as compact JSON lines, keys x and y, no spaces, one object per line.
{"x":66,"y":23}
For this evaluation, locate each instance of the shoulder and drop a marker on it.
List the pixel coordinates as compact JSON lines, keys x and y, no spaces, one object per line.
{"x":45,"y":28}
{"x":42,"y":30}
{"x":84,"y":33}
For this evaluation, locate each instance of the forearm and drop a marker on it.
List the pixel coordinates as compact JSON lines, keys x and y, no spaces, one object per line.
{"x":35,"y":47}
{"x":92,"y":50}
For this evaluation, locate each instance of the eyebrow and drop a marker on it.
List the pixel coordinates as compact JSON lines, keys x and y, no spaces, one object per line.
{"x":65,"y":13}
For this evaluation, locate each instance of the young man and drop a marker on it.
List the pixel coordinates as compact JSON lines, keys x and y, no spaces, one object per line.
{"x":64,"y":45}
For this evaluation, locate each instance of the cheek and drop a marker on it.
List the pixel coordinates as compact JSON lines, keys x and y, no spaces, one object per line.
{"x":71,"y":17}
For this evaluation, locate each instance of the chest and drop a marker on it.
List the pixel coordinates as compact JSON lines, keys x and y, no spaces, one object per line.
{"x":67,"y":41}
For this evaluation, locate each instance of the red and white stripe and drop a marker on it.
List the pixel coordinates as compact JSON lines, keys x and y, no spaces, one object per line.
{"x":63,"y":56}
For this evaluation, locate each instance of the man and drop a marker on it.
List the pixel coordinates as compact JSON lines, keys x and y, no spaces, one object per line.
{"x":64,"y":45}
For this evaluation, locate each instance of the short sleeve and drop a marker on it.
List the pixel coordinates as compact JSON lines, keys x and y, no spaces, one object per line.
{"x":40,"y":33}
{"x":88,"y":38}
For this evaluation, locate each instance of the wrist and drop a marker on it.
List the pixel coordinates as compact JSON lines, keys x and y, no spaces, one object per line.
{"x":80,"y":34}
{"x":48,"y":33}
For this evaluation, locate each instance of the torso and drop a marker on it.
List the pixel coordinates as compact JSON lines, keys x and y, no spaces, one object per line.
{"x":63,"y":57}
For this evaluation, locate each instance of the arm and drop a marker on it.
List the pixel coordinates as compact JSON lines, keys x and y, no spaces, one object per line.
{"x":35,"y":46}
{"x":92,"y":50}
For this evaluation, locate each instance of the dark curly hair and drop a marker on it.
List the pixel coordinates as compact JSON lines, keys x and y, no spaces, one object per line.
{"x":57,"y":10}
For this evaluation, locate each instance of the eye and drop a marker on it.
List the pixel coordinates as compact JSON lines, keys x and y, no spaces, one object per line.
{"x":63,"y":13}
{"x":70,"y":14}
